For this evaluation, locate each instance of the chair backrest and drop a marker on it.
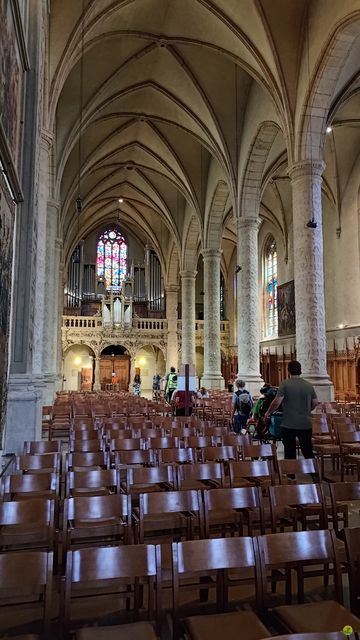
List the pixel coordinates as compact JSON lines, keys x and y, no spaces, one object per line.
{"x":127,"y":444}
{"x":86,"y":446}
{"x":16,"y":486}
{"x":118,"y":568}
{"x":36,"y":511}
{"x":301,"y":466}
{"x":348,"y":437}
{"x":199,"y":442}
{"x":116,"y":434}
{"x":295,"y":549}
{"x":80,"y":460}
{"x":250,"y":470}
{"x":166,"y":502}
{"x":139,"y":456}
{"x":84,"y":433}
{"x":210,"y":454}
{"x":236,"y":439}
{"x":245,"y":499}
{"x":141,"y":476}
{"x":296,"y":495}
{"x":166,"y":442}
{"x":25,"y":574}
{"x":42,"y":446}
{"x":87,"y":508}
{"x":78,"y":481}
{"x":342,"y":492}
{"x":41,"y":463}
{"x":180,"y":456}
{"x":207,"y":471}
{"x":352,"y":545}
{"x":251,"y":451}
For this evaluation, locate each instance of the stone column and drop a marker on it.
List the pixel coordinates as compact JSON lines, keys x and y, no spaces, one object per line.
{"x":248,"y":304}
{"x":212,"y":377}
{"x":309,"y":275}
{"x":188,"y":316}
{"x":97,"y":385}
{"x":172,"y":320}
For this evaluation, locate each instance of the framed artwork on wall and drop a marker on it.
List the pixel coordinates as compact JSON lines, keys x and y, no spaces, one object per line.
{"x":286,"y":309}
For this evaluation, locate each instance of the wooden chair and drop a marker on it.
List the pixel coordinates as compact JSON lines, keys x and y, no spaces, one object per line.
{"x":27,"y":524}
{"x":205,"y":564}
{"x":134,"y":457}
{"x":98,"y":482}
{"x":147,"y":479}
{"x":291,"y":505}
{"x":78,"y":461}
{"x":178,"y":456}
{"x":236,"y":440}
{"x":127,"y":444}
{"x":20,"y":487}
{"x":206,"y":475}
{"x":86,"y":446}
{"x":341,"y":494}
{"x":198,"y":443}
{"x":174,"y":513}
{"x":166,"y":442}
{"x":117,"y":434}
{"x":37,"y":447}
{"x":85,"y":434}
{"x":247,"y":472}
{"x":96,"y":520}
{"x":227,"y":510}
{"x":41,"y":463}
{"x":130,"y":574}
{"x":302,"y":552}
{"x":288,"y":469}
{"x":352,"y":546}
{"x":260,"y":452}
{"x":26,"y":581}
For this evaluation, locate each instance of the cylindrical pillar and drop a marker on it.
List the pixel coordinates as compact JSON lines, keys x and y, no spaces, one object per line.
{"x":248,"y":308}
{"x":309,"y":275}
{"x":188,"y":316}
{"x":97,"y":385}
{"x":212,"y":377}
{"x":172,"y":321}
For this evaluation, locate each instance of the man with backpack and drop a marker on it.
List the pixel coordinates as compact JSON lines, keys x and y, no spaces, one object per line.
{"x":242,"y":404}
{"x":170,"y":384}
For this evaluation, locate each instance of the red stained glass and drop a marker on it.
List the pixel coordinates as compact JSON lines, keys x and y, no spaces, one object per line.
{"x":111,"y":257}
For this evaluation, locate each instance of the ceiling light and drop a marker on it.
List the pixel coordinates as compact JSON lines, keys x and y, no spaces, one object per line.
{"x":328,"y":129}
{"x":121,"y":200}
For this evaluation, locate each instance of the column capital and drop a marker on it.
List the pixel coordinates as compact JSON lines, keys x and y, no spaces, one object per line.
{"x":188,"y":274}
{"x":211,"y":253}
{"x":305,"y":169}
{"x":248,"y":223}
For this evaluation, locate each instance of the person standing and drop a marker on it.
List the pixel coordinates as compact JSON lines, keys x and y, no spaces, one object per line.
{"x":170,"y":384}
{"x":137,"y":385}
{"x":298,"y":399}
{"x":156,"y":385}
{"x":242,"y":404}
{"x":183,"y":402}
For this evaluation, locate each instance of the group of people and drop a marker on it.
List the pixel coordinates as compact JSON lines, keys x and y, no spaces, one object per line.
{"x":283,"y":413}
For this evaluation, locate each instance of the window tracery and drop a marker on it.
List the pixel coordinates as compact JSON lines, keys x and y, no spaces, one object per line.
{"x":111,"y":257}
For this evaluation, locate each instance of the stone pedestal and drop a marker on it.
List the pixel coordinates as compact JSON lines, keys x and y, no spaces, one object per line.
{"x":188,"y":316}
{"x":24,"y":412}
{"x":309,"y":275}
{"x":172,"y":320}
{"x":248,"y":304}
{"x":212,"y":378}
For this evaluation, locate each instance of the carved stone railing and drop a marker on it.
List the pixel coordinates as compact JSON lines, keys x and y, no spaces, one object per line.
{"x":92,"y":331}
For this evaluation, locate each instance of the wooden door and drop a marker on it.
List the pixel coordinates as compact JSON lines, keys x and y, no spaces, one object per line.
{"x":106,"y":369}
{"x":122,"y":371}
{"x":86,"y":379}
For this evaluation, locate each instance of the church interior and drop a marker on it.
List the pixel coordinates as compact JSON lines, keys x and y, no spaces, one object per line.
{"x":179,"y":187}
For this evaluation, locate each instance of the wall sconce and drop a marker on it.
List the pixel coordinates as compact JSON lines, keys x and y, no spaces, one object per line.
{"x":77,"y":361}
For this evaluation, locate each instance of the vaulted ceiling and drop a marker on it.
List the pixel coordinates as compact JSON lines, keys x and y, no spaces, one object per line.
{"x":167,"y":97}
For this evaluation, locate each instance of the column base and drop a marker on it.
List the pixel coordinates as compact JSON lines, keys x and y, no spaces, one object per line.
{"x":212,"y":381}
{"x":253,"y":382}
{"x":23,"y":412}
{"x":323,"y":386}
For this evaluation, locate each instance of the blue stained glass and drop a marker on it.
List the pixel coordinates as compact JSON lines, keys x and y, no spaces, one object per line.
{"x":111,"y":257}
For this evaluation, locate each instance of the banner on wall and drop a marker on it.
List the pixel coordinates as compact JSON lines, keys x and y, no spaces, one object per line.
{"x":286,"y":308}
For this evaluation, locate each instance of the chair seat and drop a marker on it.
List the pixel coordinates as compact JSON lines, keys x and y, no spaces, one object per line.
{"x":134,"y":631}
{"x":323,"y":616}
{"x":232,"y":626}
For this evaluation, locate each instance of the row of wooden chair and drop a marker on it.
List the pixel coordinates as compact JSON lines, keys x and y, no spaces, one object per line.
{"x":140,"y":576}
{"x":157,"y":510}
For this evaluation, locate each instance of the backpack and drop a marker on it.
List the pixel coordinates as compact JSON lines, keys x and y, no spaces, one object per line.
{"x":243,"y":402}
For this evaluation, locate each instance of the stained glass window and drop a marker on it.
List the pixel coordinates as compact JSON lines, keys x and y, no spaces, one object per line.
{"x":111,"y":257}
{"x":270,"y":293}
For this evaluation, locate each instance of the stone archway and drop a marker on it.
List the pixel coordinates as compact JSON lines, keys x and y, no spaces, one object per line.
{"x":78,"y":368}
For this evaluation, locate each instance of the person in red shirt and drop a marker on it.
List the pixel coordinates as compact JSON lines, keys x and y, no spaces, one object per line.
{"x":182,"y":400}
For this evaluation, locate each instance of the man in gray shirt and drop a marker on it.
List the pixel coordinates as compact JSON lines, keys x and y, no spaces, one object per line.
{"x":298,"y":399}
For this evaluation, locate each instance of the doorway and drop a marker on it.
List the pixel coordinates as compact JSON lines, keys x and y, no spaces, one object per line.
{"x":115,"y":368}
